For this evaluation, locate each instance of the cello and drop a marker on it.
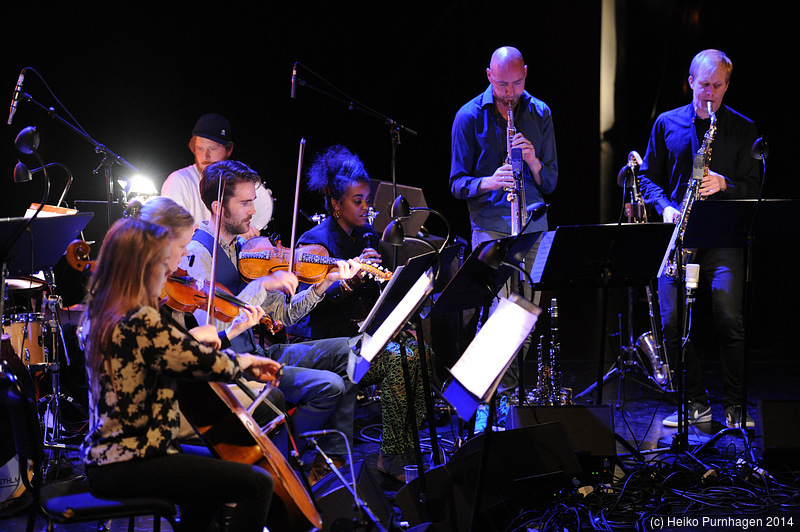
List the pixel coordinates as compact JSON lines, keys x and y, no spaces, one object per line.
{"x":232,"y":434}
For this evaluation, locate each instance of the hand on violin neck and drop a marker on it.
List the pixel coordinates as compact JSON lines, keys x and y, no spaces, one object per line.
{"x":281,"y":281}
{"x":341,"y":272}
{"x":249,"y":317}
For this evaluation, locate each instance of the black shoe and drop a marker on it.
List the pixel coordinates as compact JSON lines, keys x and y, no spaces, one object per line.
{"x":733,"y":417}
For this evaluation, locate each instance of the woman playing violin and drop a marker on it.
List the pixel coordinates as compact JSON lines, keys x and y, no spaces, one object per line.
{"x":133,"y":362}
{"x":340,"y":177}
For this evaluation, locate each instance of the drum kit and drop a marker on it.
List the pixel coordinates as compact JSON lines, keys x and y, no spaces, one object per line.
{"x":34,"y":350}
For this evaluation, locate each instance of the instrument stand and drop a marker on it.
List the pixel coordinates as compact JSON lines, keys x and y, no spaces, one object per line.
{"x":600,"y":256}
{"x":628,"y":360}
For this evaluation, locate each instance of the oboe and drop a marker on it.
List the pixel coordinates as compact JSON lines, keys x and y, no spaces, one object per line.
{"x":516,"y":195}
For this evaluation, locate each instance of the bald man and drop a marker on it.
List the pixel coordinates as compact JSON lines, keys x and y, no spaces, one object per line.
{"x":478,"y":169}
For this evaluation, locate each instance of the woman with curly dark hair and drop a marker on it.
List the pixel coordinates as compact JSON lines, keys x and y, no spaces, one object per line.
{"x":340,"y":177}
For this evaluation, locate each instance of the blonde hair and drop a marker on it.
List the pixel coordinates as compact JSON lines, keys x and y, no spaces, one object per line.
{"x":119,"y":284}
{"x":163,"y":211}
{"x":710,"y":60}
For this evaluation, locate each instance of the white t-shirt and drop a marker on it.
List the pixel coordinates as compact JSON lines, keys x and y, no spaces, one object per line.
{"x":183,"y":187}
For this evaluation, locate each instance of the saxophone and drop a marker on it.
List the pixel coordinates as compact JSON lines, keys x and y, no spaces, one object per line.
{"x":654,"y":350}
{"x":516,"y":195}
{"x":669,"y":265}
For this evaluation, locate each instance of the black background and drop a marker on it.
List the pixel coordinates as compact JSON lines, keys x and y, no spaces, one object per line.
{"x":137,"y":76}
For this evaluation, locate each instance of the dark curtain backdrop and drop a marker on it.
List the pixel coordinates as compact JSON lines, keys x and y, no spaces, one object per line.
{"x":137,"y":76}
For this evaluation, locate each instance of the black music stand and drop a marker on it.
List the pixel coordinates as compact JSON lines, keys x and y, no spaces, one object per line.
{"x":476,"y":283}
{"x":600,"y":256}
{"x":400,"y":303}
{"x":741,"y":223}
{"x":43,"y":243}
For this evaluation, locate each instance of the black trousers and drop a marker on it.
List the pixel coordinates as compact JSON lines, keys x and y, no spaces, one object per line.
{"x":198,"y":484}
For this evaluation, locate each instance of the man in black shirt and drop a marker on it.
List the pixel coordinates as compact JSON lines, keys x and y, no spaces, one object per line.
{"x":731,"y":174}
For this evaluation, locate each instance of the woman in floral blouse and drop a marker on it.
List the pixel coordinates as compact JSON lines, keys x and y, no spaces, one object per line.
{"x":133,"y":362}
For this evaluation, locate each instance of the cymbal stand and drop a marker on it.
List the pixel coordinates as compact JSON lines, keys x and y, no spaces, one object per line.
{"x":51,"y":416}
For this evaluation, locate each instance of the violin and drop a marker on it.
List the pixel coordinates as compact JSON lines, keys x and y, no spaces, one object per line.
{"x":185,"y":294}
{"x":259,"y":257}
{"x":77,"y":254}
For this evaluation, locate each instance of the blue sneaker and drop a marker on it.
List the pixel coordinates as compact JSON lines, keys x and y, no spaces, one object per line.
{"x":481,"y":417}
{"x":502,"y":411}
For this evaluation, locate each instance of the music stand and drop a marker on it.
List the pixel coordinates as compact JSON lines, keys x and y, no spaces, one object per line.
{"x":46,"y":241}
{"x":476,"y":282}
{"x":600,"y":256}
{"x":740,"y":223}
{"x":399,"y":302}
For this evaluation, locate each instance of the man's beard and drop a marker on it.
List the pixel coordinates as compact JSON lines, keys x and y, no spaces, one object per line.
{"x":235,"y":228}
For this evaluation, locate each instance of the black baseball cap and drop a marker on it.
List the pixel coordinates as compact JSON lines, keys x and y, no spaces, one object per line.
{"x":213,"y":127}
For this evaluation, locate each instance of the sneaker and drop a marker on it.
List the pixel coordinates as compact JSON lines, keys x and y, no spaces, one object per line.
{"x":481,"y":417}
{"x":321,"y":468}
{"x":502,"y":411}
{"x":733,"y":416}
{"x":698,"y":413}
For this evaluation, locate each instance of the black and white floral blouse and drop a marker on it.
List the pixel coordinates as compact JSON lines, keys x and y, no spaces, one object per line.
{"x":136,"y":414}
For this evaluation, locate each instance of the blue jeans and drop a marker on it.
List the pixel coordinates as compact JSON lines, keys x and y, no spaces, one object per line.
{"x":723,"y":270}
{"x":315,"y":379}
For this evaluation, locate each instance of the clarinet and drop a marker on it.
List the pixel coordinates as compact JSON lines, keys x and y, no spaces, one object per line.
{"x":516,"y":194}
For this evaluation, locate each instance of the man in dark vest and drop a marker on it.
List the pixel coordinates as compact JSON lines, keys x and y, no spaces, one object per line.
{"x":315,"y":373}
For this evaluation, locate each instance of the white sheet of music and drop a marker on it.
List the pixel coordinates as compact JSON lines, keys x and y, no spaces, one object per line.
{"x":537,"y":269}
{"x":372,"y":345}
{"x":494,"y":347}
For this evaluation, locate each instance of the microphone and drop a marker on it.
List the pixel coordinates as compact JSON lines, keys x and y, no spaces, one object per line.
{"x":294,"y":79}
{"x":317,"y":433}
{"x":15,"y":96}
{"x":634,"y":161}
{"x":536,"y":210}
{"x":760,"y":150}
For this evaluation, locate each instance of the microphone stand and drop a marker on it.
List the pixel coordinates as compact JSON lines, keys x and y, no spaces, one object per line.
{"x":759,"y":151}
{"x":395,"y":128}
{"x":369,"y":520}
{"x":109,"y":157}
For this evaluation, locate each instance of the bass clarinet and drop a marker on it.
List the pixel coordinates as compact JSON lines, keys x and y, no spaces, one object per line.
{"x":669,"y":264}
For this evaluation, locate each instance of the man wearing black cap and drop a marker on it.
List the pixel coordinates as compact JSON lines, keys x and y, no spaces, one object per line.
{"x":211,"y":142}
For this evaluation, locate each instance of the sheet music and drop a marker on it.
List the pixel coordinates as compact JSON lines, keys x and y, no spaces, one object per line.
{"x":494,"y":347}
{"x":372,"y":345}
{"x":537,"y":269}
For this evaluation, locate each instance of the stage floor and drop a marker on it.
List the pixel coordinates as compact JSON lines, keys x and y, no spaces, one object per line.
{"x":636,"y":489}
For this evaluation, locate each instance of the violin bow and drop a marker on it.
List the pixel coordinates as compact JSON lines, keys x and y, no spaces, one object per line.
{"x":217,"y":227}
{"x":292,"y":242}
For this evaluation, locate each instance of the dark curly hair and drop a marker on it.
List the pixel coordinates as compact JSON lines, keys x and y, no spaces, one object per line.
{"x":333,"y":171}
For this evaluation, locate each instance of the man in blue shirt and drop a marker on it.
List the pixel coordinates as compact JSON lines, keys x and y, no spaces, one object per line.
{"x":478,"y":169}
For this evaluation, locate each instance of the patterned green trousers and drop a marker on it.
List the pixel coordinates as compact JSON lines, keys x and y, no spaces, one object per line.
{"x":386,"y":371}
